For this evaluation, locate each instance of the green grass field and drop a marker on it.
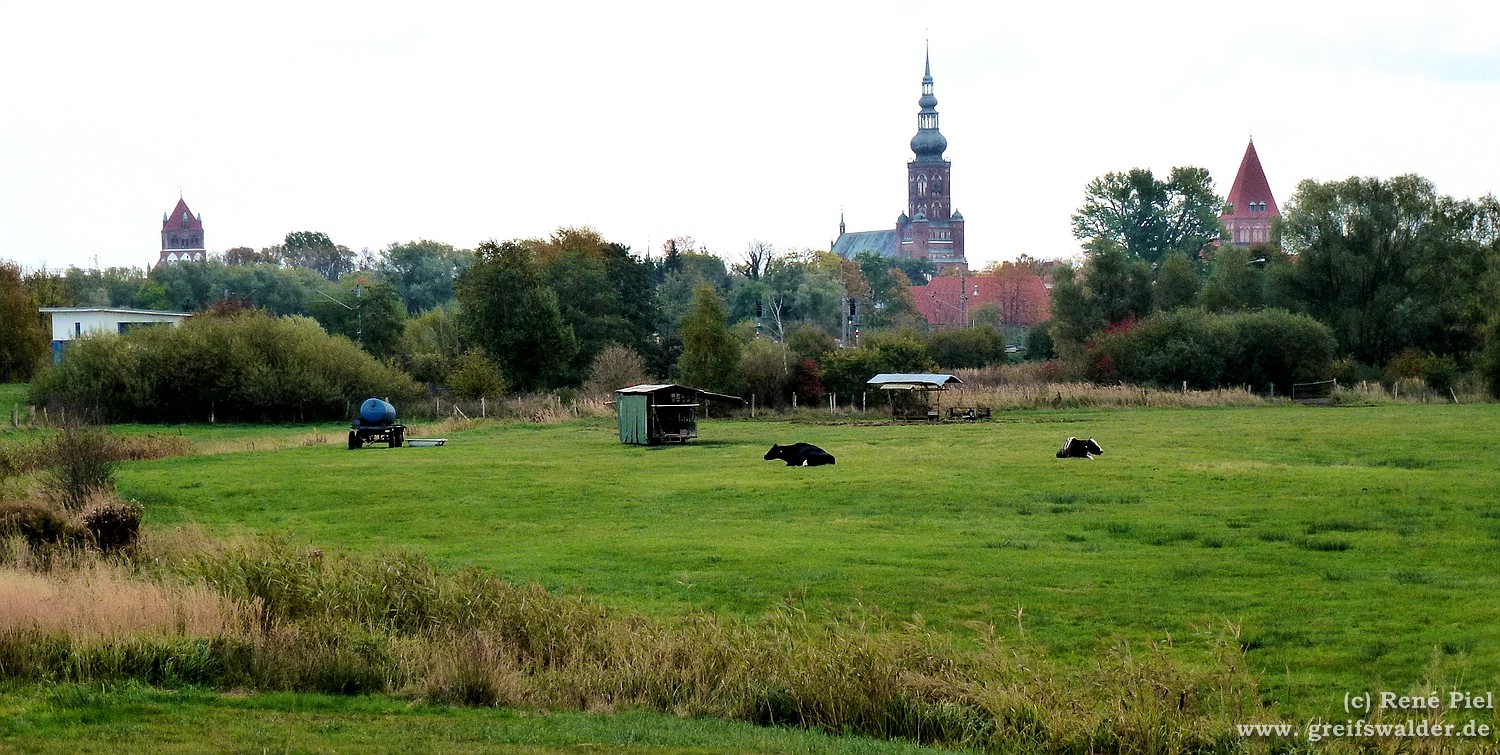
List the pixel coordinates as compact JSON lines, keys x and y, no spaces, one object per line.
{"x":1352,"y":548}
{"x":12,"y":394}
{"x":130,"y":719}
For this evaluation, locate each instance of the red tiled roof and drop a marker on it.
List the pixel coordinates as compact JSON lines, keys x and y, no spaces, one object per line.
{"x":175,"y":222}
{"x":1250,"y":185}
{"x":1021,"y":297}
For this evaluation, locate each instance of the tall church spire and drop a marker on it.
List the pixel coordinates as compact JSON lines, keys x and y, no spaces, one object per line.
{"x":929,"y":143}
{"x":1250,"y":207}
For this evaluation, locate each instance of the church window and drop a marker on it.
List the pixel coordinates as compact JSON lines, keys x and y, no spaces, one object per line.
{"x":921,"y":185}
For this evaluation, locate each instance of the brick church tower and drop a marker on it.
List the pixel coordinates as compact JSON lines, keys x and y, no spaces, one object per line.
{"x":181,"y":236}
{"x":929,"y":228}
{"x":1250,"y":208}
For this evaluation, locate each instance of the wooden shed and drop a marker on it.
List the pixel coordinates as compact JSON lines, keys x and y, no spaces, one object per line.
{"x":652,"y":414}
{"x":913,"y":390}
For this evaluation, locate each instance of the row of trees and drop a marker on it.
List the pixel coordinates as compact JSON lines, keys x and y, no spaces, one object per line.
{"x":1388,"y":267}
{"x":1383,"y":268}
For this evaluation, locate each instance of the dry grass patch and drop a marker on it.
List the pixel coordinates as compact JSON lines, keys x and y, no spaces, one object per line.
{"x":102,"y":601}
{"x":1008,"y":396}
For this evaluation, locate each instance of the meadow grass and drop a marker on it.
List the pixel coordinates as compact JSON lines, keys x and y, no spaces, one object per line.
{"x":130,"y":718}
{"x":1194,"y":523}
{"x":12,"y":394}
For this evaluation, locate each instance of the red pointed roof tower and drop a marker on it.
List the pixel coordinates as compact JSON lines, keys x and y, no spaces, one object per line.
{"x":181,"y":236}
{"x":1250,"y":208}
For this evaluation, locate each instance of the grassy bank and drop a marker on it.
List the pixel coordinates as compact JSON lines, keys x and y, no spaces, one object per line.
{"x":1349,"y":548}
{"x":134,"y":719}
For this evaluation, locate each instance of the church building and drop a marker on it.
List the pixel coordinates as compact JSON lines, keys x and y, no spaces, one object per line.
{"x":929,"y":228}
{"x":1250,"y":208}
{"x":181,"y":236}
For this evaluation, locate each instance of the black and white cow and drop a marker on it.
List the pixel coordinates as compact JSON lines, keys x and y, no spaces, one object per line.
{"x":800,"y":455}
{"x":1074,"y":448}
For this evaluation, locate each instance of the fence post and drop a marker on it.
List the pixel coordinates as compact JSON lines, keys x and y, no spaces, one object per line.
{"x":752,"y":406}
{"x":862,"y":396}
{"x":794,"y":401}
{"x":482,"y":412}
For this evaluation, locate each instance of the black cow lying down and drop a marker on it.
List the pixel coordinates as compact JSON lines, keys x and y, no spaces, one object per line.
{"x":800,"y":455}
{"x":1074,"y":448}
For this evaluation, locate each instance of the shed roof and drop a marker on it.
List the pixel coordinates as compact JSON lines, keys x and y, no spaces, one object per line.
{"x":113,"y":310}
{"x":912,"y":381}
{"x":654,"y":387}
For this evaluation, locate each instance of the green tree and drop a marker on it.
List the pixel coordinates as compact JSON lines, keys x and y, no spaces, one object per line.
{"x":710,"y":352}
{"x":605,"y":293}
{"x":1235,"y":282}
{"x":23,"y":339}
{"x":1176,"y":284}
{"x":1149,"y":217}
{"x":957,"y":348}
{"x":315,"y":251}
{"x":766,"y":371}
{"x":918,"y":270}
{"x":475,"y":376}
{"x":510,"y":312}
{"x":889,"y":290}
{"x":423,"y":271}
{"x":810,"y":342}
{"x":151,"y":295}
{"x":431,"y":344}
{"x":1111,"y":287}
{"x":1388,"y":263}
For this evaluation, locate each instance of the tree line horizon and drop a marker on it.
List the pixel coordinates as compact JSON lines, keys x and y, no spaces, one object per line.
{"x":1365,"y":278}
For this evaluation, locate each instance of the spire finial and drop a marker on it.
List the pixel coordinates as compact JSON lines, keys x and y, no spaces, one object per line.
{"x":927,"y":57}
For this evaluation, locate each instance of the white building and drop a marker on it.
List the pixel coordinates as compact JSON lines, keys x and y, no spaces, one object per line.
{"x":69,"y":323}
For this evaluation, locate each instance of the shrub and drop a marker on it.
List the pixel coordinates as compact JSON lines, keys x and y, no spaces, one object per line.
{"x":38,"y":522}
{"x":765,"y":368}
{"x":1039,"y":342}
{"x":475,"y":376}
{"x":84,"y":464}
{"x":251,"y":367}
{"x":967,"y":347}
{"x":810,"y":342}
{"x":1260,"y":348}
{"x":1489,"y":364}
{"x":1440,"y":373}
{"x":614,"y":368}
{"x":1407,"y":364}
{"x":807,"y":381}
{"x":111,"y":523}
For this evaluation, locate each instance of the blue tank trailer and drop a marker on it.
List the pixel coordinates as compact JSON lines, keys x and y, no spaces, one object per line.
{"x":376,"y":423}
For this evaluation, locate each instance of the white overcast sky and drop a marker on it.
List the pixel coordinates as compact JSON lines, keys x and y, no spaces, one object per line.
{"x":729,"y":122}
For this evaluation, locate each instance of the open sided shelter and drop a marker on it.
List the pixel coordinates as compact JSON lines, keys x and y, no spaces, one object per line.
{"x":652,"y":414}
{"x":913,"y":400}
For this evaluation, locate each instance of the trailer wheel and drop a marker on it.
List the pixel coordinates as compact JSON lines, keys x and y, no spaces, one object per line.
{"x":353,"y":440}
{"x":398,"y":437}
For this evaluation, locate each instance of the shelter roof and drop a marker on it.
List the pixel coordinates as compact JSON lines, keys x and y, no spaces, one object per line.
{"x":656,"y":387}
{"x":913,"y":381}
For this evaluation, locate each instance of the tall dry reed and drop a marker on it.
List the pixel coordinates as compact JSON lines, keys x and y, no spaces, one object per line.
{"x":268,"y":614}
